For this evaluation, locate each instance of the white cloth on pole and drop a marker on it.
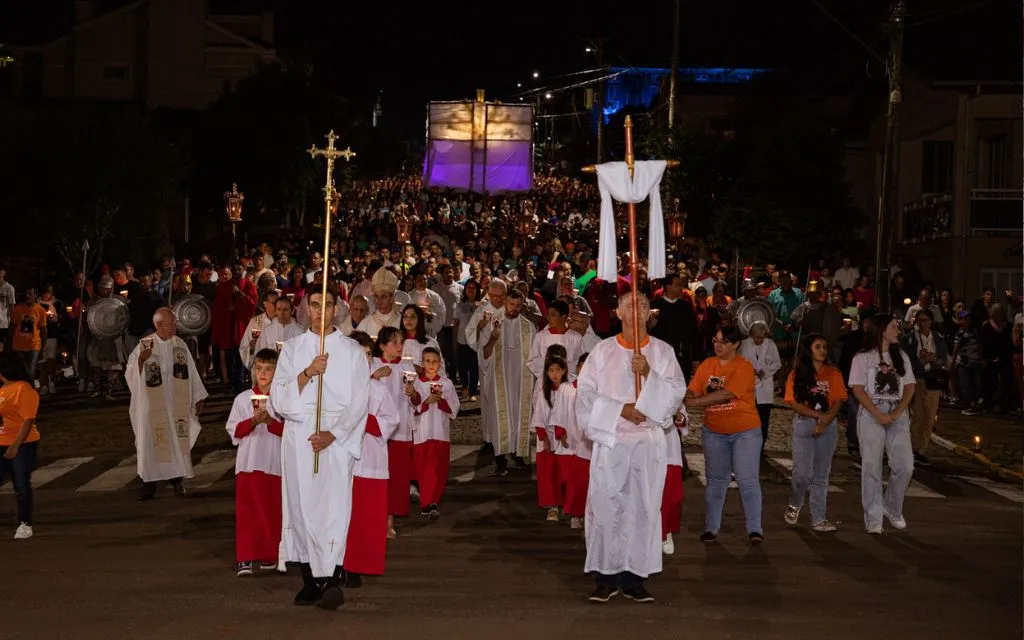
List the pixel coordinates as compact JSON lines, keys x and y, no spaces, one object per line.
{"x":614,"y":183}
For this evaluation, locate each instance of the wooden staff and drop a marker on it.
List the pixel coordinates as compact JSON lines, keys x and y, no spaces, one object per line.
{"x":331,"y":153}
{"x":631,"y":208}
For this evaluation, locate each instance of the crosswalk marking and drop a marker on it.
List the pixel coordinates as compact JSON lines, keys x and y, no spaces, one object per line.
{"x":114,"y":478}
{"x":210,"y":469}
{"x":787,"y":463}
{"x":461,"y":451}
{"x":696,"y":463}
{"x":50,"y":472}
{"x":1013,"y":492}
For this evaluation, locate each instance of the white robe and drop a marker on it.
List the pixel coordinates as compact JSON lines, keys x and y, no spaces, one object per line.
{"x":628,"y":465}
{"x":277,"y":332}
{"x":396,"y":387}
{"x":259,"y":322}
{"x":764,"y":357}
{"x":572,"y":341}
{"x":160,"y":443}
{"x":432,"y":300}
{"x":414,"y":350}
{"x":320,"y":505}
{"x":373,"y":323}
{"x":260,"y":450}
{"x":506,"y":386}
{"x":431,"y":423}
{"x":374,"y":461}
{"x":470,"y":328}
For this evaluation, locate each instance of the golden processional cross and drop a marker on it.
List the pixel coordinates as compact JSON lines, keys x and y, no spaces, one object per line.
{"x":631,"y":208}
{"x":330,"y":196}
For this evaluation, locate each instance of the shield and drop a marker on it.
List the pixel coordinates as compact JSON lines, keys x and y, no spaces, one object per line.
{"x":107,"y":317}
{"x":193,"y":314}
{"x":754,"y":311}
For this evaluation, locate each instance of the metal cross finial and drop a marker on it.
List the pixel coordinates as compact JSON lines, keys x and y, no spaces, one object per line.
{"x":347,"y":153}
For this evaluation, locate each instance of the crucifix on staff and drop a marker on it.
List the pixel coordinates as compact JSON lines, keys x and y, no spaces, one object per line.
{"x":631,"y":182}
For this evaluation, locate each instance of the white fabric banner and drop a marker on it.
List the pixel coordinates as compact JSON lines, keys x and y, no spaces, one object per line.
{"x":614,"y":183}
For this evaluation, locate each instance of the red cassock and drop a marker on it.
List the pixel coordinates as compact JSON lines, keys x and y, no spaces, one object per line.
{"x":550,"y":488}
{"x":672,"y":501}
{"x":576,"y":486}
{"x":257,"y":507}
{"x":228,"y":325}
{"x":366,"y":548}
{"x":400,"y":466}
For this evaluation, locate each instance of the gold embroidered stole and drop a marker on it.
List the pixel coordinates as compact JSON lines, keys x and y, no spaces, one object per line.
{"x":168,"y":429}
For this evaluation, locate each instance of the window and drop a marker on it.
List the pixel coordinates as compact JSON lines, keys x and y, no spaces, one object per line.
{"x":999,"y":162}
{"x":937,"y":167}
{"x":1002,"y":280}
{"x":115,"y":72}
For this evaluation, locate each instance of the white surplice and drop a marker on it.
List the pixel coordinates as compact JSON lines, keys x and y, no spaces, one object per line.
{"x":413,"y":349}
{"x":432,"y":423}
{"x":259,"y":322}
{"x":571,"y":340}
{"x":628,"y":465}
{"x":320,"y":505}
{"x":261,"y":449}
{"x":374,"y":461}
{"x":276,"y":332}
{"x":373,"y":323}
{"x":432,"y":300}
{"x":396,"y":388}
{"x":506,"y":385}
{"x":164,"y":438}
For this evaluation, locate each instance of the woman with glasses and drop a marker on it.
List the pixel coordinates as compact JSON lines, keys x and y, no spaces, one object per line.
{"x":723,"y":387}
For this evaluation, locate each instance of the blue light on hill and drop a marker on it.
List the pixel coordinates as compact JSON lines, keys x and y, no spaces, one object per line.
{"x":638,"y":87}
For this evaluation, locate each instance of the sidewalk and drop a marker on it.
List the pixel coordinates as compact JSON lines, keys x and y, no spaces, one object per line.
{"x":1002,"y":441}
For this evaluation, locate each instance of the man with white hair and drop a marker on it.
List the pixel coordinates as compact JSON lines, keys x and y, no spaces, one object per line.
{"x":493,"y":306}
{"x":167,"y":398}
{"x":628,"y":465}
{"x":386,"y":313}
{"x":358,"y":309}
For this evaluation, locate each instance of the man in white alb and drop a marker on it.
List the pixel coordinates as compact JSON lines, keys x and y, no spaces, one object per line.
{"x":259,"y":322}
{"x":431,"y":303}
{"x":320,"y":504}
{"x":282,"y":329}
{"x":628,"y":465}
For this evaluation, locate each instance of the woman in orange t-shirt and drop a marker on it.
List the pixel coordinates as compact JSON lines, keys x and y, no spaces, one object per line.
{"x":19,"y":403}
{"x":815,"y":391}
{"x":724,"y":387}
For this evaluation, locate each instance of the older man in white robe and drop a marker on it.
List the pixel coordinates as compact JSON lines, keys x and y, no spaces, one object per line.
{"x":628,"y":466}
{"x":320,"y":504}
{"x":491,"y":308}
{"x":167,"y":398}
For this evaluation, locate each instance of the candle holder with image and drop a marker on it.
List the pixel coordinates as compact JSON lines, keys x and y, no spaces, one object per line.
{"x":408,"y":377}
{"x":259,"y":402}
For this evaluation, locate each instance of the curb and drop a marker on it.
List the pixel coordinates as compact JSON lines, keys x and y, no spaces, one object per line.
{"x":1008,"y":475}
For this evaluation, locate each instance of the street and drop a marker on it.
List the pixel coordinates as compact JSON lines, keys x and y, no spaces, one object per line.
{"x":102,"y":565}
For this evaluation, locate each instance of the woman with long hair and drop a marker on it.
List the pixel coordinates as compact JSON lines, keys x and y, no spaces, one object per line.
{"x":883,"y":383}
{"x":723,"y":386}
{"x":816,"y":392}
{"x":414,"y":329}
{"x":19,"y":404}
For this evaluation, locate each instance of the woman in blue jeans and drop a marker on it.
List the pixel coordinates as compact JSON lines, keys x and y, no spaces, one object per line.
{"x":19,"y":403}
{"x":723,"y":386}
{"x":816,"y":392}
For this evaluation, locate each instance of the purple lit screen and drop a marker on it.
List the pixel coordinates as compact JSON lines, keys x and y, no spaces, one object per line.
{"x":477,"y":146}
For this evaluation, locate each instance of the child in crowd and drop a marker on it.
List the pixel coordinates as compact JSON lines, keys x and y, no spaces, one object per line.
{"x":395,"y":370}
{"x":435,"y":404}
{"x":578,"y":476}
{"x":550,"y":490}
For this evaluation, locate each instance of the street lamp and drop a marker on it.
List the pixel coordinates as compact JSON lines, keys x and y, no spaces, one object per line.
{"x":233,"y":204}
{"x":547,"y":96}
{"x":536,"y":74}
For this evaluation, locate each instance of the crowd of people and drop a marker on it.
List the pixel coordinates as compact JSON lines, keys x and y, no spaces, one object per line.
{"x":435,"y":299}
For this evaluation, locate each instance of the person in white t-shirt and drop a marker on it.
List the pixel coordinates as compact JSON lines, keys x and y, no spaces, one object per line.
{"x":7,"y":302}
{"x":883,"y":381}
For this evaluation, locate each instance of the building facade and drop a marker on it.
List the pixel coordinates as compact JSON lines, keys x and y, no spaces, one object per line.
{"x":159,"y":53}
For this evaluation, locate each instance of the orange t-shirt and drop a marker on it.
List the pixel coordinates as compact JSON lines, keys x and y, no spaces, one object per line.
{"x":26,"y":322}
{"x":18,"y":402}
{"x":829,"y":390}
{"x":737,"y":376}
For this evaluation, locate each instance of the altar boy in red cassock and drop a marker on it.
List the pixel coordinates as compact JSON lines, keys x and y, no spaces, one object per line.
{"x":256,"y":431}
{"x":578,"y":472}
{"x":368,"y":529}
{"x":435,"y":405}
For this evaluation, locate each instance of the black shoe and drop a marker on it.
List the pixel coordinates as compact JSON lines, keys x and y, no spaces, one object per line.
{"x":756,"y":537}
{"x":308,"y":595}
{"x":180,"y":491}
{"x":433,"y":512}
{"x":331,"y":595}
{"x":353,"y":580}
{"x":708,"y":536}
{"x":638,"y":594}
{"x":603,"y":593}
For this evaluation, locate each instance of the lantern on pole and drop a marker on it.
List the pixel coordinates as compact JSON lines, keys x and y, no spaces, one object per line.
{"x":675,"y":224}
{"x":403,"y":226}
{"x":233,"y":205}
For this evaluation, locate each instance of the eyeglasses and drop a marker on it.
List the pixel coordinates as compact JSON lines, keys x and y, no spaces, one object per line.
{"x":722,"y":342}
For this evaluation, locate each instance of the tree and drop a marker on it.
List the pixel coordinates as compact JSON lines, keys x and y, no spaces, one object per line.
{"x":80,"y":171}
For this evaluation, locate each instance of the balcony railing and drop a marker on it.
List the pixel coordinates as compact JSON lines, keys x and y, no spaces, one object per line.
{"x":996,"y":211}
{"x":929,"y":217}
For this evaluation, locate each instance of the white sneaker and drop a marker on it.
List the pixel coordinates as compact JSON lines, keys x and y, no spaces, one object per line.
{"x":792,"y":515}
{"x":553,"y":514}
{"x":667,"y":546}
{"x":414,"y":493}
{"x":824,"y":527}
{"x":875,"y":529}
{"x":898,"y":522}
{"x":576,"y":523}
{"x":24,"y":532}
{"x":35,"y":383}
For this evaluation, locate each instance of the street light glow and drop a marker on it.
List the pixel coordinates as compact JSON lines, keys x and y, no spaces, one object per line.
{"x":548,"y":95}
{"x":519,"y":85}
{"x":536,"y":74}
{"x":588,"y":49}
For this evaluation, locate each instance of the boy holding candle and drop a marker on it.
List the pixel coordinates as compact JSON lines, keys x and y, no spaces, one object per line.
{"x":435,"y":404}
{"x":256,"y":431}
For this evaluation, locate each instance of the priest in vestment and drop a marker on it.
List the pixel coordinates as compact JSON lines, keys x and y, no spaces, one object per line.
{"x":385,"y":312}
{"x":319,"y":504}
{"x":167,"y":398}
{"x":628,"y":463}
{"x":506,"y":382}
{"x":492,"y":307}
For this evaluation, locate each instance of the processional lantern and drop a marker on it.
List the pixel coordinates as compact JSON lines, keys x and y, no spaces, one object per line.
{"x":675,"y":224}
{"x":335,"y":200}
{"x":233,"y":203}
{"x":403,"y":225}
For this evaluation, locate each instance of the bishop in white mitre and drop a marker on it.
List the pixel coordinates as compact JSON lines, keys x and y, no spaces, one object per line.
{"x":167,"y":398}
{"x":385,"y":312}
{"x":319,"y":504}
{"x":629,"y":458}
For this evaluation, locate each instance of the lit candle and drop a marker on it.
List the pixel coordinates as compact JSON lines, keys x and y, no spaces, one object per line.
{"x":280,"y":344}
{"x":977,"y":443}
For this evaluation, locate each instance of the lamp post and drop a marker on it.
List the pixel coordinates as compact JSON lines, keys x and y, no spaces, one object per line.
{"x":233,"y":205}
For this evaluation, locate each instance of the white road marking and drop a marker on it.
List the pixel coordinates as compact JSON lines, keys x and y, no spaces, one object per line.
{"x":115,"y":478}
{"x":211,"y":468}
{"x":50,"y":472}
{"x":1013,"y":492}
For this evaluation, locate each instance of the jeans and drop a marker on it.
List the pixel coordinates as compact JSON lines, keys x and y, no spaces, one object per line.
{"x":764,"y":412}
{"x":970,"y":385}
{"x":732,"y":453}
{"x":812,"y":463}
{"x":853,"y":408}
{"x":624,"y":580}
{"x":469,"y":371}
{"x":446,"y":340}
{"x":876,"y":441}
{"x":30,"y":359}
{"x":20,"y":470}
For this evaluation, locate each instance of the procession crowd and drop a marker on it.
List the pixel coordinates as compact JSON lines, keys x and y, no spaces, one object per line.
{"x":449,"y":298}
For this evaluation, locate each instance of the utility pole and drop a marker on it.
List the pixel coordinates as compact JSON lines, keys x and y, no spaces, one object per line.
{"x":675,"y":67}
{"x":890,"y":165}
{"x":599,"y":99}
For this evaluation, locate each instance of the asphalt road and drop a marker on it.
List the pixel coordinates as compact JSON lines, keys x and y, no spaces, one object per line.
{"x":102,"y":565}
